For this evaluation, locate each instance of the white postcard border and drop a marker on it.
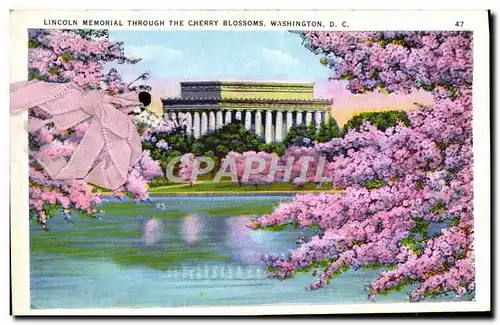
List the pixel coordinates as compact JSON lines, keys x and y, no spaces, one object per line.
{"x":476,"y":21}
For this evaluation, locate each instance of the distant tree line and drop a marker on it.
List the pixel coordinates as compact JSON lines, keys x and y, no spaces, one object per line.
{"x":233,"y":137}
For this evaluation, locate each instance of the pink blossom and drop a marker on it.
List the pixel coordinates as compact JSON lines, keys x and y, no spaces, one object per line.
{"x":424,"y":171}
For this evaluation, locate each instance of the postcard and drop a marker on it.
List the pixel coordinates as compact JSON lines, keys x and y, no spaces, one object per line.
{"x":249,"y":162}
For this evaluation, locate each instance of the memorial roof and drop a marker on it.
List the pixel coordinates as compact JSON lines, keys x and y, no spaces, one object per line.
{"x":248,"y":99}
{"x":245,"y":90}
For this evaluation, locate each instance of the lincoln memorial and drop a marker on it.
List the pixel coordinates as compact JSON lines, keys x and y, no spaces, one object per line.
{"x":267,"y":108}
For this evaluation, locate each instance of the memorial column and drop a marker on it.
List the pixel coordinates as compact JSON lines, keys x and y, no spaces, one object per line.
{"x":318,"y":118}
{"x":189,"y":123}
{"x":269,"y":127}
{"x":289,"y":120}
{"x":227,"y":119}
{"x":258,"y":123}
{"x":219,"y":120}
{"x":327,"y":116}
{"x":204,"y":123}
{"x":308,"y":118}
{"x":196,"y":125}
{"x":211,"y":121}
{"x":278,"y":134}
{"x":299,"y":117}
{"x":248,"y":119}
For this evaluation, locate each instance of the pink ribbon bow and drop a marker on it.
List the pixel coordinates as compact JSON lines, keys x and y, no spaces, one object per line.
{"x":108,"y":149}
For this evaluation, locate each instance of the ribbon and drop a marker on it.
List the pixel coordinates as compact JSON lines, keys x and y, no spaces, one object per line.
{"x":110,"y":146}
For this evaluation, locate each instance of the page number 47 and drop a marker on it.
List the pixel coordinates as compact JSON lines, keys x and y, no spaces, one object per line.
{"x":459,"y":24}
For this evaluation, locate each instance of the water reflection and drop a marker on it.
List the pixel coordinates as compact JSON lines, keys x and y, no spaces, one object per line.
{"x":191,"y":228}
{"x":243,"y":246}
{"x":152,"y":231}
{"x":71,"y":279}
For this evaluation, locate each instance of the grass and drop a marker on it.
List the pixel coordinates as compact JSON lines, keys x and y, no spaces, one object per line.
{"x":232,"y":187}
{"x":137,"y":209}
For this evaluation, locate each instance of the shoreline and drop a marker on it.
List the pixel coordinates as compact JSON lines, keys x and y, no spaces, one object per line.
{"x":256,"y":193}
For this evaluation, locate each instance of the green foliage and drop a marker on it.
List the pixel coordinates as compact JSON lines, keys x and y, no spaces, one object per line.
{"x":235,"y":137}
{"x":295,"y":225}
{"x":295,"y":135}
{"x":398,"y":287}
{"x":381,"y":120}
{"x":420,"y":228}
{"x":338,"y":271}
{"x":66,"y":56}
{"x":437,"y":208}
{"x":428,"y":87}
{"x":374,"y":74}
{"x":324,"y":133}
{"x":34,"y":75}
{"x":356,"y":243}
{"x":278,"y":148}
{"x":314,"y":265}
{"x":231,"y":137}
{"x":373,"y":266}
{"x":32,"y":43}
{"x":452,"y":92}
{"x":390,"y":267}
{"x":53,"y":70}
{"x":50,"y":209}
{"x":179,"y":142}
{"x":216,"y":159}
{"x":279,"y":227}
{"x":454,"y":222}
{"x":311,"y":131}
{"x":32,"y":214}
{"x":327,"y":131}
{"x":228,"y":186}
{"x":374,"y":183}
{"x":412,"y":244}
{"x":346,"y":76}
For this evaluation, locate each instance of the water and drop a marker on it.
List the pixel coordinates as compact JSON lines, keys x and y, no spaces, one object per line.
{"x":196,"y":259}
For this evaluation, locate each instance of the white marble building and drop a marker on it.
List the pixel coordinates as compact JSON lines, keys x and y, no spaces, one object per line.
{"x":267,"y":108}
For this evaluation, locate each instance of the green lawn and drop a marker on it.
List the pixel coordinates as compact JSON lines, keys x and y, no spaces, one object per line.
{"x":136,"y":209}
{"x":232,"y":187}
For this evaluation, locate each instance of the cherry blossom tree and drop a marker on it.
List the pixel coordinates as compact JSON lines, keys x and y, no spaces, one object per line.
{"x":406,"y":205}
{"x":75,"y":56}
{"x":187,"y":167}
{"x":250,"y":167}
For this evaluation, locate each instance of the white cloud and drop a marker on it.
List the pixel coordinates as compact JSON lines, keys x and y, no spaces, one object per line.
{"x":154,"y":53}
{"x":279,"y":56}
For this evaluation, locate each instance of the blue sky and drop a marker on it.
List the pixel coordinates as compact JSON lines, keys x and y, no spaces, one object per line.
{"x":213,"y":55}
